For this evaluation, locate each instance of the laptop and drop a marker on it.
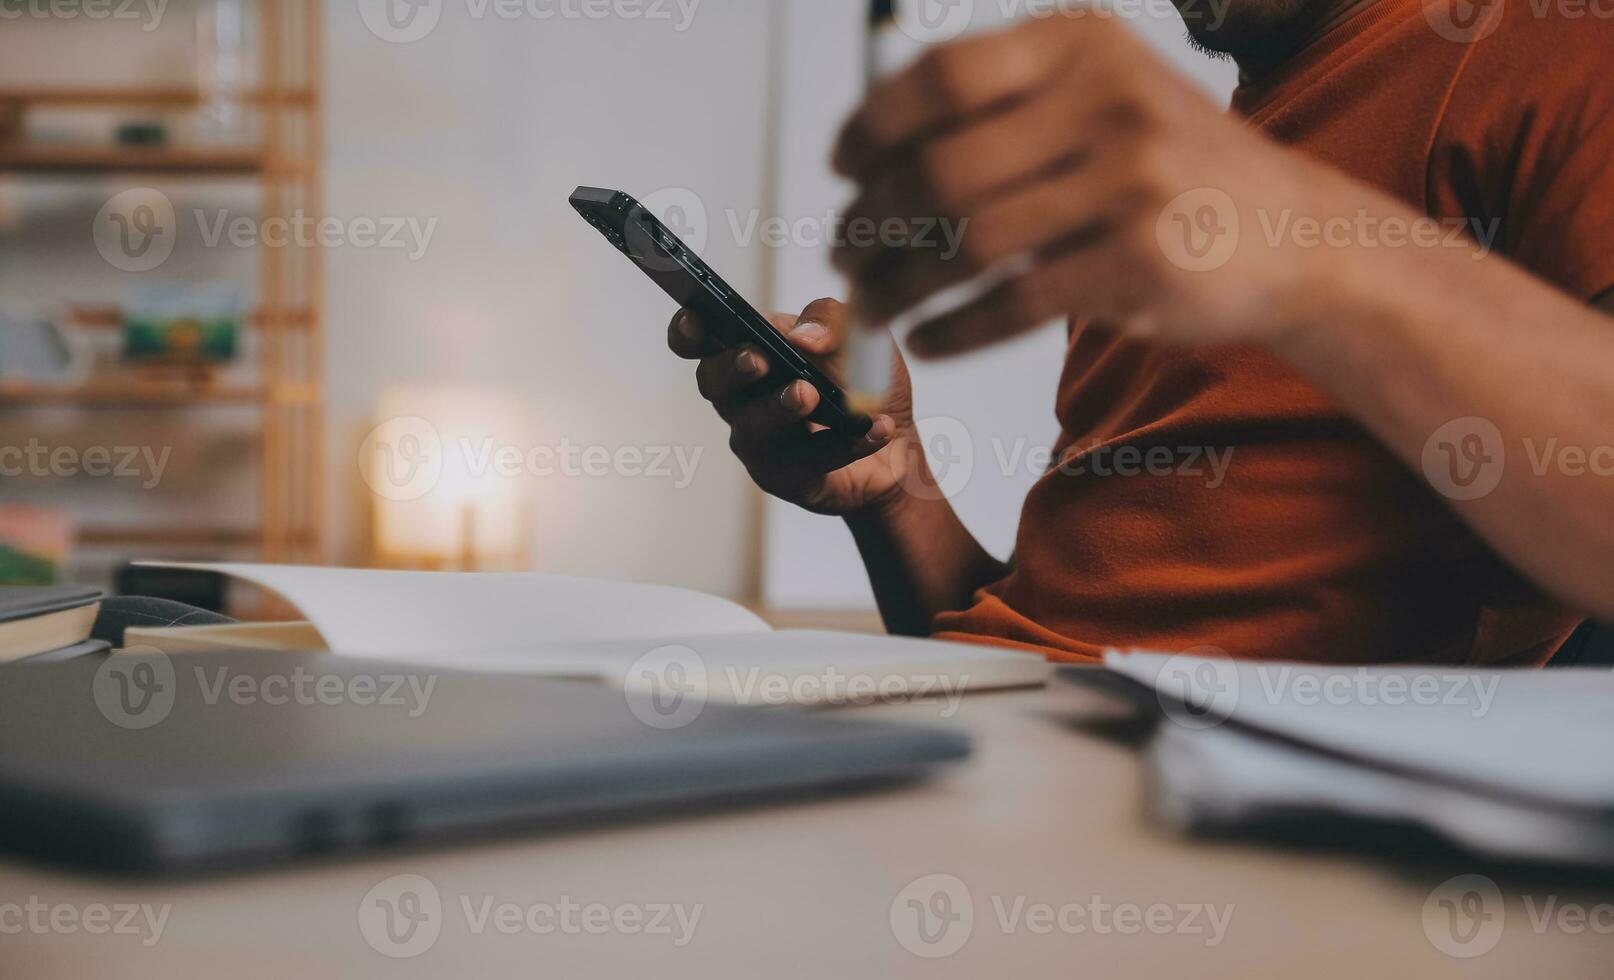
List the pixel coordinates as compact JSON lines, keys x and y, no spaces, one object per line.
{"x":165,"y":764}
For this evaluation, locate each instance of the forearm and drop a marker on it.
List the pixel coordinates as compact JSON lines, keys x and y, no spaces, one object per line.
{"x":921,"y":560}
{"x":1410,"y":340}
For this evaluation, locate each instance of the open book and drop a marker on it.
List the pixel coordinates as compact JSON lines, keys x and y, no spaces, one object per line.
{"x":640,"y":636}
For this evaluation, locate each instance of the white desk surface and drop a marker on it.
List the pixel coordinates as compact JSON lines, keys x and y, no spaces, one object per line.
{"x":1043,"y":812}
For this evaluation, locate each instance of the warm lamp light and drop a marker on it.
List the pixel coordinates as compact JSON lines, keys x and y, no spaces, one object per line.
{"x":441,"y":502}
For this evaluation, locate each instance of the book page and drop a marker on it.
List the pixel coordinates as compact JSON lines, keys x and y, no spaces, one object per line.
{"x":1540,"y":734}
{"x":380,"y":613}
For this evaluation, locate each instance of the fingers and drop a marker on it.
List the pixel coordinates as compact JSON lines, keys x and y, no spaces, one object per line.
{"x":810,"y":456}
{"x":952,"y":175}
{"x":828,"y":451}
{"x":725,"y":376}
{"x":687,"y":337}
{"x":1052,"y":214}
{"x":760,"y":423}
{"x":949,"y":83}
{"x":1091,"y":279}
{"x":820,"y":329}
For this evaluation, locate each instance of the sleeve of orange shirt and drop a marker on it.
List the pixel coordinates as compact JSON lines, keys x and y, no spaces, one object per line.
{"x":1528,"y":145}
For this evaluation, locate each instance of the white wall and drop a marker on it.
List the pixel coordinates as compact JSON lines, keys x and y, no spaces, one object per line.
{"x":982,"y":411}
{"x":487,"y":126}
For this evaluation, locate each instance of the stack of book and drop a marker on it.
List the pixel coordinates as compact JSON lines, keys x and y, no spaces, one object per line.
{"x":48,"y":623}
{"x":1510,"y":765}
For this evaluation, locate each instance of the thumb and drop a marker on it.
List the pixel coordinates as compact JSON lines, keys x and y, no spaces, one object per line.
{"x":820,"y":329}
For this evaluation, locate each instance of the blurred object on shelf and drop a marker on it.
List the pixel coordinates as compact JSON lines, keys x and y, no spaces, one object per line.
{"x":221,"y":72}
{"x":145,"y":134}
{"x":185,"y":324}
{"x":34,"y":350}
{"x":36,"y":544}
{"x":204,"y":590}
{"x":10,"y":120}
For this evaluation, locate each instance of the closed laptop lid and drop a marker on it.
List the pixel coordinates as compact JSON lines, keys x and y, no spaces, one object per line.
{"x":151,"y":762}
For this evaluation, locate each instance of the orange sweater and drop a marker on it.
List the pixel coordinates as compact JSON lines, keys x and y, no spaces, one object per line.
{"x":1313,"y":542}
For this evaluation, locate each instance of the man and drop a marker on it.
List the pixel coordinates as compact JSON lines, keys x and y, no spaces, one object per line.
{"x":1422,"y":460}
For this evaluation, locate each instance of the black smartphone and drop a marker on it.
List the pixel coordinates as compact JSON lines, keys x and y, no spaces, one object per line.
{"x":691,"y":283}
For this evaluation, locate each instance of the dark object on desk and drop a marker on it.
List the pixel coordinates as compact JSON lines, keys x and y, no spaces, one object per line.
{"x":204,"y":590}
{"x":193,"y":762}
{"x":121,"y":612}
{"x":1590,"y":646}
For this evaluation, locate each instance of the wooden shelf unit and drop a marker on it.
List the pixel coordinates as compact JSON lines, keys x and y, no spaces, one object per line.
{"x":286,"y":164}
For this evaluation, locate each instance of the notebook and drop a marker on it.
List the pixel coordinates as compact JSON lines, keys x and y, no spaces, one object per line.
{"x":1512,"y":764}
{"x":36,"y":620}
{"x":627,"y":634}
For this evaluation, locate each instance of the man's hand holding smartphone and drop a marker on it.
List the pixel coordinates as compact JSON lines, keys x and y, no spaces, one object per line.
{"x":797,"y":461}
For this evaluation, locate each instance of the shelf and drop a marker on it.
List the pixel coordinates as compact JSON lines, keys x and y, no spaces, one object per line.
{"x":128,"y":394}
{"x":49,"y":160}
{"x":154,"y":394}
{"x":168,"y":538}
{"x":111,"y":317}
{"x":176,"y":98}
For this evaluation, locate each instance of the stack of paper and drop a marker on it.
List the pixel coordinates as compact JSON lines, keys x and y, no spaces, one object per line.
{"x":1514,"y":765}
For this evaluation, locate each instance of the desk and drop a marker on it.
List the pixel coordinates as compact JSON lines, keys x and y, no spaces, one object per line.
{"x":1044,"y":816}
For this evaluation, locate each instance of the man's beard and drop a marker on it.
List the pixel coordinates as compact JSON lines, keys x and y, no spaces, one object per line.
{"x":1258,"y":34}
